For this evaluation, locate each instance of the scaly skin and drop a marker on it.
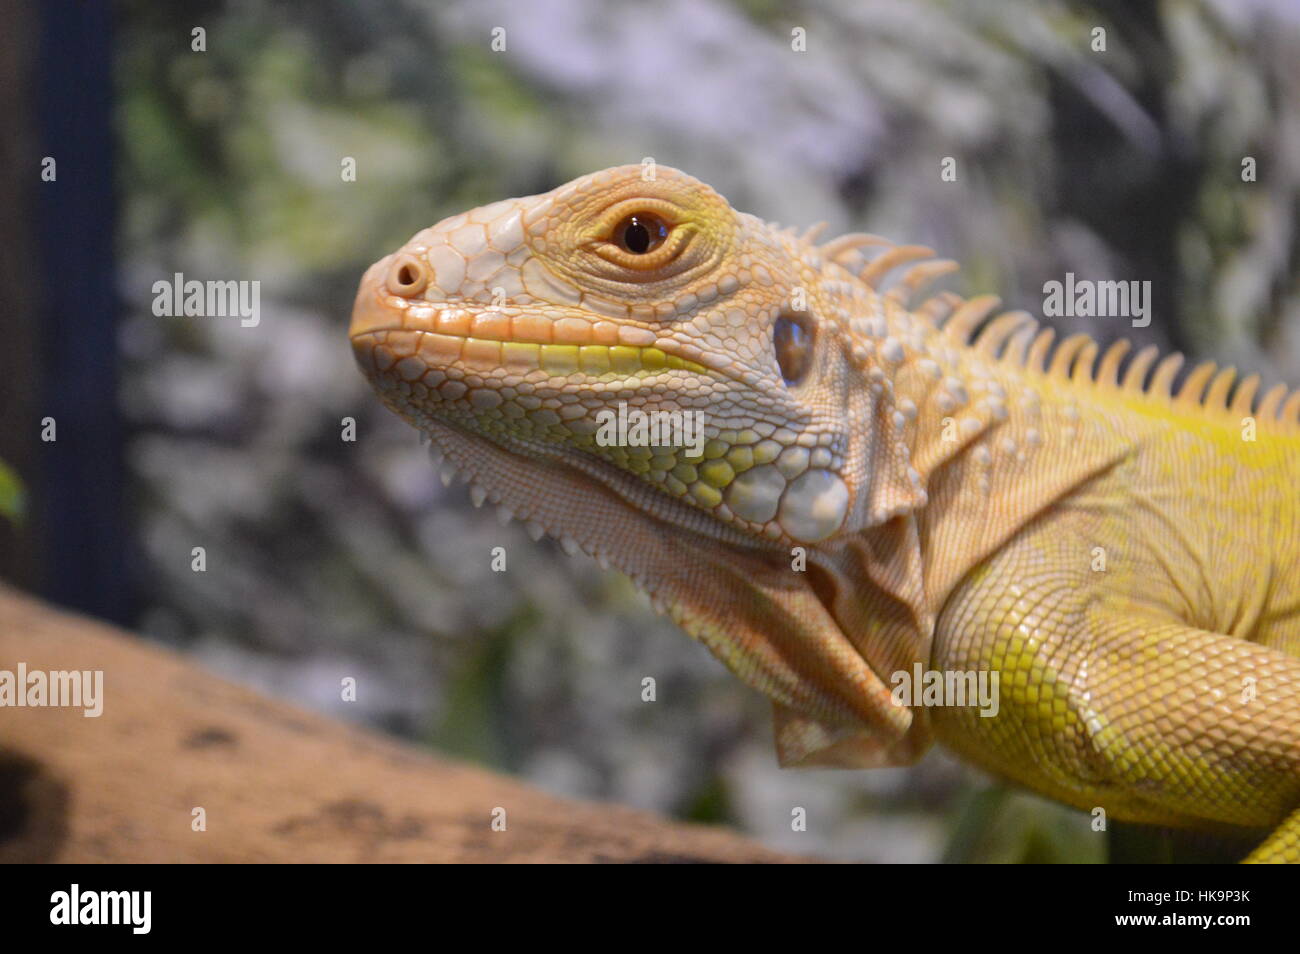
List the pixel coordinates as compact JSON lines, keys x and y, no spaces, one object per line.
{"x":1127,"y":561}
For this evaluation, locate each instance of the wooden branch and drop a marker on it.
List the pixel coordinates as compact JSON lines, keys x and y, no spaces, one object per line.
{"x":276,"y":783}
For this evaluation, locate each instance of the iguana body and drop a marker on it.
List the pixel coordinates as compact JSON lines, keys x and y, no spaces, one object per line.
{"x":1128,"y":562}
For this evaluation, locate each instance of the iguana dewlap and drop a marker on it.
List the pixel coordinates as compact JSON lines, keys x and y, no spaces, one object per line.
{"x":877,"y":492}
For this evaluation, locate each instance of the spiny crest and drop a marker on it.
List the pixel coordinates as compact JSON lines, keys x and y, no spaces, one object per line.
{"x":1015,"y":337}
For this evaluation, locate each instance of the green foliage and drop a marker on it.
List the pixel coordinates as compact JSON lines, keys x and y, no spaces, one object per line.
{"x":13,"y":498}
{"x":999,"y":825}
{"x":709,"y":804}
{"x":475,"y":723}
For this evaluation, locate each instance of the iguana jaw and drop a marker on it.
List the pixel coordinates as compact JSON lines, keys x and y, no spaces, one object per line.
{"x":547,"y":484}
{"x":766,"y":624}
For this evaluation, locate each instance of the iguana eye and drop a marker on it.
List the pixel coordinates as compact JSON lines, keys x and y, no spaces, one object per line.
{"x":792,"y":339}
{"x":640,"y":233}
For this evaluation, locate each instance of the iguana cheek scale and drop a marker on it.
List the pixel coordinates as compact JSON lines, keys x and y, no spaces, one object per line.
{"x":883,"y":484}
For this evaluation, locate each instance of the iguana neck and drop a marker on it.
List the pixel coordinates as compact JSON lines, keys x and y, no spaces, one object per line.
{"x":964,"y":450}
{"x":981,"y":442}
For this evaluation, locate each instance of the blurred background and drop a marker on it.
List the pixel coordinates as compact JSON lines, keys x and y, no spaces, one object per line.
{"x":327,"y":559}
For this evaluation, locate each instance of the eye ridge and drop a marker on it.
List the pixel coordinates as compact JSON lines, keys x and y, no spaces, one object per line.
{"x":793,"y":336}
{"x":640,"y":233}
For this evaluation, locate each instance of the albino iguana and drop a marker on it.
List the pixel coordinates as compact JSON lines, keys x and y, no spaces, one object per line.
{"x":882,"y":491}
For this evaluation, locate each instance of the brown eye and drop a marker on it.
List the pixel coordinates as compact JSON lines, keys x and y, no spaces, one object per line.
{"x":640,"y":233}
{"x":792,"y":338}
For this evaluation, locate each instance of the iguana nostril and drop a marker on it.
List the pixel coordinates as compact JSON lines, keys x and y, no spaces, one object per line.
{"x":408,"y":276}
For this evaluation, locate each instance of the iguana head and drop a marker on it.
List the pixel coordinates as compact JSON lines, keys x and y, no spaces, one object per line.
{"x":516,"y":334}
{"x":631,"y":293}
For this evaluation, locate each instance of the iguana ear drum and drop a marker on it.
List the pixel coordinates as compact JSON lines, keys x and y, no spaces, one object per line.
{"x":792,"y":339}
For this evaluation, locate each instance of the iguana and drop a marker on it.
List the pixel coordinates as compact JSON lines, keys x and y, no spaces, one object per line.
{"x":883,"y":489}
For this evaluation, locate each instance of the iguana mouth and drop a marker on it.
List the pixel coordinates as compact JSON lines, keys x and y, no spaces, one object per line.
{"x":389,"y":329}
{"x":435,"y":349}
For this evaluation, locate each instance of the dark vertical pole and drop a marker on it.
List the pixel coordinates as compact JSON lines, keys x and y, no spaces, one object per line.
{"x":82,"y":471}
{"x":20,"y":551}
